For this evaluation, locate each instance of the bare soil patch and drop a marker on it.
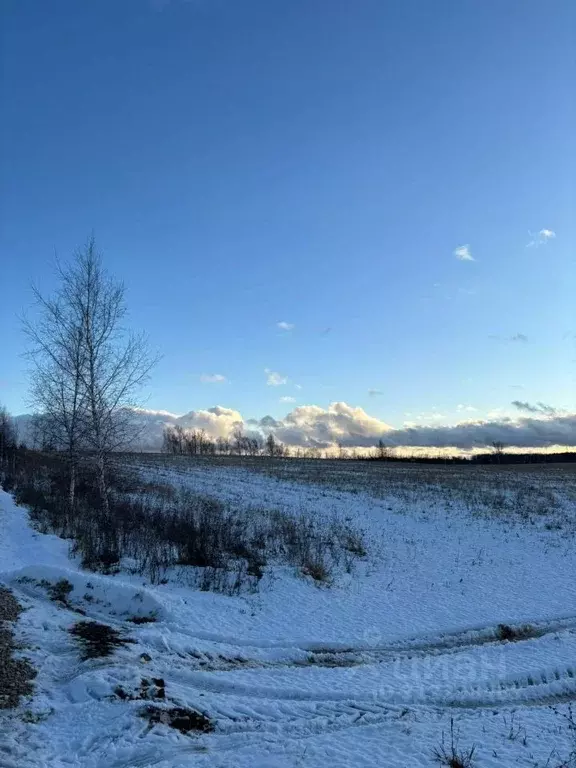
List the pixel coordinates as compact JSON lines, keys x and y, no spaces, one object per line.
{"x":15,"y":674}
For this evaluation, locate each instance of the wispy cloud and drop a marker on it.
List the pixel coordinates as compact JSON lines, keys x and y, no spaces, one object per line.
{"x":465,"y":408}
{"x":284,"y":326}
{"x":274,"y":379}
{"x":287,"y":399}
{"x":463,"y":253}
{"x":540,"y":238}
{"x":542,"y":408}
{"x":375,"y":392}
{"x":517,"y":338}
{"x":212,"y":378}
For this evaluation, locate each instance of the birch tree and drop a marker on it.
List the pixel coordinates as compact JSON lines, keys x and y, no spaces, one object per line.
{"x":88,"y":369}
{"x":116,"y":362}
{"x":57,"y":392}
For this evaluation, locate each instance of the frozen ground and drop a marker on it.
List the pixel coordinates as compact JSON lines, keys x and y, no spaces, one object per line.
{"x":367,"y":672}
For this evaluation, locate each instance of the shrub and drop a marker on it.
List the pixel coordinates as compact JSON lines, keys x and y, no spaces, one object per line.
{"x":448,"y":753}
{"x":227,"y":549}
{"x":513,"y":634}
{"x":60,"y":591}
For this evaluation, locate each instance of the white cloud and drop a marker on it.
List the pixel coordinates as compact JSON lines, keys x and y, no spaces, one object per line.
{"x":465,"y":408}
{"x":462,"y":252}
{"x":540,"y":238}
{"x":530,"y":426}
{"x":284,"y":326}
{"x":287,"y":399}
{"x":343,"y":424}
{"x":433,"y":416}
{"x":217,"y":421}
{"x":274,"y":379}
{"x":310,"y":425}
{"x":298,"y":386}
{"x":212,"y":378}
{"x":151,"y":412}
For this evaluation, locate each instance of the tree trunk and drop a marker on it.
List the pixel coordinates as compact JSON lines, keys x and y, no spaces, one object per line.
{"x":102,"y":485}
{"x":72,"y":487}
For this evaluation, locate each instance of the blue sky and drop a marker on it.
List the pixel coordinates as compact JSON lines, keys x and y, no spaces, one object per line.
{"x":312,"y":162}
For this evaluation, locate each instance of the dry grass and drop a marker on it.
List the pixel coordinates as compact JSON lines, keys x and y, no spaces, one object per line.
{"x":97,"y":639}
{"x":527,"y":493}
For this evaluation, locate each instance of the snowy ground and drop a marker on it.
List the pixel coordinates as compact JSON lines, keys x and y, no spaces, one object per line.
{"x":366,"y":672}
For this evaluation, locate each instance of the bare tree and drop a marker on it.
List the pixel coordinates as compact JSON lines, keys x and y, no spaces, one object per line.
{"x":383,"y":450}
{"x":87,"y":368}
{"x":115,"y":363}
{"x":223,"y":445}
{"x":7,"y":435}
{"x":238,"y":439}
{"x":271,"y":445}
{"x":498,"y":450}
{"x":58,"y":356}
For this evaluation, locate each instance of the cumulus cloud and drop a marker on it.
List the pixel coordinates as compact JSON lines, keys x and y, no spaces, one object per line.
{"x":525,"y":432}
{"x":463,"y":253}
{"x":274,"y":379}
{"x":341,"y":424}
{"x":540,"y":238}
{"x":284,"y":326}
{"x":310,"y":426}
{"x":151,"y":413}
{"x":217,"y":421}
{"x":212,"y":378}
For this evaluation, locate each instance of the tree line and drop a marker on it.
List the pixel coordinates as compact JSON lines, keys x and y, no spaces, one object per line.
{"x":179,"y":441}
{"x":195,"y":442}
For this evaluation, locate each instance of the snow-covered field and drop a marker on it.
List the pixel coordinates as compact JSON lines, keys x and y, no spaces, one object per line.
{"x":367,"y":671}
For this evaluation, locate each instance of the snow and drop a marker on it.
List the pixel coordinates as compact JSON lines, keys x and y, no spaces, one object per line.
{"x":366,"y":672}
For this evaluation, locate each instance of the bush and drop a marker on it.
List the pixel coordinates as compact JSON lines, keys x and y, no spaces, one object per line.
{"x":60,"y":591}
{"x":513,"y":634}
{"x":448,"y":753}
{"x":226,"y":549}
